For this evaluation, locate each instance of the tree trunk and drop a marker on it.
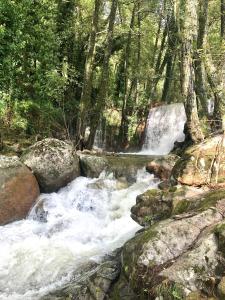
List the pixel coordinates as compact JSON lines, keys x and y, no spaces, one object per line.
{"x":222,"y":19}
{"x":216,"y":83}
{"x":126,"y":108}
{"x":200,"y":80}
{"x":170,"y":57}
{"x":188,"y":27}
{"x":85,"y":101}
{"x":103,"y":87}
{"x":216,"y":79}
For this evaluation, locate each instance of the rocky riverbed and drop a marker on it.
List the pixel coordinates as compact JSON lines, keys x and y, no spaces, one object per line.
{"x":179,"y":252}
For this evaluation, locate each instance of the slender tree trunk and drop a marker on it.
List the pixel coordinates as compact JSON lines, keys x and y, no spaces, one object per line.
{"x":200,"y":74}
{"x":216,"y":83}
{"x":170,"y":57}
{"x":222,"y":19}
{"x":127,"y":85}
{"x":188,"y":36}
{"x":150,"y":81}
{"x":216,"y":79}
{"x":160,"y":63}
{"x":85,"y":101}
{"x":103,"y":87}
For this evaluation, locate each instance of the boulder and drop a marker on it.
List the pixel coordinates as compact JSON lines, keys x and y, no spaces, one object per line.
{"x":182,"y":256}
{"x":155,"y":205}
{"x":202,"y":164}
{"x":162,"y":167}
{"x":151,"y":206}
{"x":53,"y":162}
{"x":92,"y":166}
{"x":18,"y":189}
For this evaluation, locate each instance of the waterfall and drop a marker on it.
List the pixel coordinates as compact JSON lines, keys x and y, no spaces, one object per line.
{"x":100,"y":136}
{"x":86,"y":219}
{"x":165,"y":126}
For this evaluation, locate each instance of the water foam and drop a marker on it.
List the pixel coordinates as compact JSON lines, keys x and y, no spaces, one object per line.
{"x":86,"y":219}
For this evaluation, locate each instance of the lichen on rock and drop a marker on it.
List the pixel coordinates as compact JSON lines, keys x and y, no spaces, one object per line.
{"x":53,"y":162}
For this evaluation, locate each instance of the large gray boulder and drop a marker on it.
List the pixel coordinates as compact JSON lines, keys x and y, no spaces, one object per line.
{"x":18,"y":189}
{"x":53,"y":162}
{"x":182,"y":255}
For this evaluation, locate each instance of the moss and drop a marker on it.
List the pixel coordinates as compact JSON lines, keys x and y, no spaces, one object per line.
{"x":132,"y":250}
{"x":220,"y":228}
{"x":173,"y":189}
{"x":152,"y":193}
{"x":122,"y":290}
{"x":220,"y":233}
{"x":180,"y":165}
{"x":208,"y":200}
{"x":180,"y":207}
{"x":170,"y":291}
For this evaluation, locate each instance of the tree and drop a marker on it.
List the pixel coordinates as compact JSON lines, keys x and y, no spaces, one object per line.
{"x":85,"y":102}
{"x":188,"y":34}
{"x":104,"y":80}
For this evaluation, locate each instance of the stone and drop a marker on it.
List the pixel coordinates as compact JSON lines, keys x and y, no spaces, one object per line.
{"x":123,"y":167}
{"x":18,"y":189}
{"x":53,"y":162}
{"x":202,"y":164}
{"x":162,"y":167}
{"x":151,"y":206}
{"x":92,"y":166}
{"x":221,"y":289}
{"x":92,"y":281}
{"x":182,"y":251}
{"x":155,"y":205}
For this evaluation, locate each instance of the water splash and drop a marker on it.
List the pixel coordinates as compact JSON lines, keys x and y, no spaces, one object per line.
{"x":86,"y":219}
{"x":165,"y":126}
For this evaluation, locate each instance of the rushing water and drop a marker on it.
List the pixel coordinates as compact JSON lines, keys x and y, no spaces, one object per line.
{"x":81,"y":222}
{"x":165,"y":126}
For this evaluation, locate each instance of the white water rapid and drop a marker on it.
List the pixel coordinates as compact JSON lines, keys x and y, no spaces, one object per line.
{"x":165,"y":126}
{"x":86,"y":219}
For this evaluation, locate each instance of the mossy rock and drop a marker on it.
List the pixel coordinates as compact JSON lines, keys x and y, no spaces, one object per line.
{"x":152,"y":206}
{"x":155,"y":205}
{"x":203,"y":202}
{"x":202,"y":164}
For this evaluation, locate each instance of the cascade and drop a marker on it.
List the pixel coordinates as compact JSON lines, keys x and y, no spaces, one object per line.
{"x":82,"y":222}
{"x":165,"y":126}
{"x":100,"y":136}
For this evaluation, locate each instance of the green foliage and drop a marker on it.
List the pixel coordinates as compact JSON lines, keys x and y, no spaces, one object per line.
{"x":43,"y":47}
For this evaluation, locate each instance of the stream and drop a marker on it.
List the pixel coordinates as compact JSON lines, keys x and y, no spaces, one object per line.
{"x":82,"y":222}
